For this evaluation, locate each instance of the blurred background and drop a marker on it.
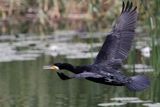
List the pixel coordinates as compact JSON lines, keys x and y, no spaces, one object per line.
{"x":34,"y":33}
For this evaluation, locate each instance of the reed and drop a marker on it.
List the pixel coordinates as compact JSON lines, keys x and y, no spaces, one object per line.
{"x":44,"y":16}
{"x":154,"y":31}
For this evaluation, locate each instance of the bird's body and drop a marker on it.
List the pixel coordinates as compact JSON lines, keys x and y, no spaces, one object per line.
{"x":106,"y":75}
{"x":106,"y":68}
{"x":100,"y":73}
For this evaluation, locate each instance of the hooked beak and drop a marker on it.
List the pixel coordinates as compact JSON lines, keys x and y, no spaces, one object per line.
{"x":53,"y":67}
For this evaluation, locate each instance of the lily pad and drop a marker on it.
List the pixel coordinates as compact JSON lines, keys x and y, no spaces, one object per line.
{"x":111,"y":104}
{"x":152,"y":104}
{"x":125,"y":99}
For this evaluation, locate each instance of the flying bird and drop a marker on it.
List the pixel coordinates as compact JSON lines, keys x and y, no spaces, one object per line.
{"x":106,"y":69}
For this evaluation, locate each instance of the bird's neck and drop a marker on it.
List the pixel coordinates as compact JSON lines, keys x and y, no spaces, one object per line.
{"x":74,"y":69}
{"x":68,"y":67}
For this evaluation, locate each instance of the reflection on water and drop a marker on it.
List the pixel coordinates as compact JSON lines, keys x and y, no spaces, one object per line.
{"x":26,"y":84}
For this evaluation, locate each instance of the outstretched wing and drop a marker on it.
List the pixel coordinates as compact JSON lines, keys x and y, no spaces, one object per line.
{"x":118,"y":43}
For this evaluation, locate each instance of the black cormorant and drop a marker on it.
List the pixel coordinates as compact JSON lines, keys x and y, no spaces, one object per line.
{"x":106,"y":68}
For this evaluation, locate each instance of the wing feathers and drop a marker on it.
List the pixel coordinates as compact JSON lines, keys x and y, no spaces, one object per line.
{"x":123,"y":6}
{"x":118,"y":44}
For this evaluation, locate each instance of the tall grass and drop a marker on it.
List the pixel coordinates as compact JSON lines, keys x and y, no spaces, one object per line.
{"x":154,"y":24}
{"x":23,"y":16}
{"x":149,"y":22}
{"x":153,"y":21}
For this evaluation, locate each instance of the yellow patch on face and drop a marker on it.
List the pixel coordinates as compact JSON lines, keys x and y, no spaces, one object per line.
{"x":54,"y":68}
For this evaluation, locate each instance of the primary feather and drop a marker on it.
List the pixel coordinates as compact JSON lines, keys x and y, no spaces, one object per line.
{"x":119,"y":41}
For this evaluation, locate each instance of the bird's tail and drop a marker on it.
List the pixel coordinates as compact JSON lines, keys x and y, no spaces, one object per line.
{"x":138,"y":83}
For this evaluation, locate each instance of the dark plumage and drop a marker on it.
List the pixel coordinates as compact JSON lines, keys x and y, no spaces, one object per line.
{"x":106,"y":67}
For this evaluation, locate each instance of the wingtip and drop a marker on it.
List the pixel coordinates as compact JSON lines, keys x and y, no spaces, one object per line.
{"x":123,"y":6}
{"x":135,"y":8}
{"x":128,"y":7}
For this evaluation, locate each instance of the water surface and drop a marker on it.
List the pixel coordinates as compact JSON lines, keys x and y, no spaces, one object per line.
{"x":26,"y":84}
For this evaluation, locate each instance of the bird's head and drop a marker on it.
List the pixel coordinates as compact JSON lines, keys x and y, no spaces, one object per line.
{"x":59,"y":66}
{"x":54,"y":67}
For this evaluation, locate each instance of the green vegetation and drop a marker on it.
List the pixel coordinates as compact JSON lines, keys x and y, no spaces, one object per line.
{"x":44,"y":16}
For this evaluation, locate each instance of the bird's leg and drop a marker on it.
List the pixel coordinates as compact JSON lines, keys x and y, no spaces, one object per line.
{"x":63,"y":76}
